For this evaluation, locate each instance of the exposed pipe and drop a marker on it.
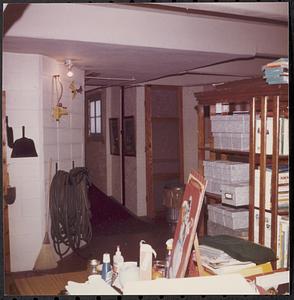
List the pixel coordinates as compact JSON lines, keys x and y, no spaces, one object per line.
{"x":122,"y":146}
{"x":190,"y":70}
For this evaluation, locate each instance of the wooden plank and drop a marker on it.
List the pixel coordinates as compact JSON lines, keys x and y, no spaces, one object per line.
{"x":252,"y":169}
{"x":148,"y":150}
{"x":275,"y":170}
{"x":164,"y":119}
{"x":50,"y":284}
{"x":262,"y":183}
{"x":164,"y":160}
{"x":201,"y":138}
{"x":242,"y":91}
{"x":165,"y":176}
{"x":181,"y":134}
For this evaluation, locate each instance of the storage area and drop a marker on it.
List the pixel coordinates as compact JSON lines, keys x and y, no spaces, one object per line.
{"x":242,"y":158}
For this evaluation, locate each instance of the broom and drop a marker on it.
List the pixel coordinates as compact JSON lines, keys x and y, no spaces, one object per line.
{"x":46,"y":259}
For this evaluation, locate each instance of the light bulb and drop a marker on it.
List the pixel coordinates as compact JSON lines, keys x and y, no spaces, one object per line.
{"x":70,"y":73}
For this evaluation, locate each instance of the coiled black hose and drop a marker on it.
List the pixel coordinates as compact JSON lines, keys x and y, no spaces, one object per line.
{"x":70,"y":210}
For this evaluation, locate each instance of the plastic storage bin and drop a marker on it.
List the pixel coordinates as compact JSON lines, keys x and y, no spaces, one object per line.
{"x":235,"y":194}
{"x":234,"y":218}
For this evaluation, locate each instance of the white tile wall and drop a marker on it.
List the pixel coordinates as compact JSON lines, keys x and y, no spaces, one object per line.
{"x":23,"y":99}
{"x":64,"y":151}
{"x":50,"y":136}
{"x":76,"y":149}
{"x":27,"y":80}
{"x":30,"y":205}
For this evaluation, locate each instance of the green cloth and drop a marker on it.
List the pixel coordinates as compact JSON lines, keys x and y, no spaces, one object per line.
{"x":240,"y":249}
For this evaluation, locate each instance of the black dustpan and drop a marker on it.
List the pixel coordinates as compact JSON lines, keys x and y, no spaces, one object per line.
{"x":24,"y":147}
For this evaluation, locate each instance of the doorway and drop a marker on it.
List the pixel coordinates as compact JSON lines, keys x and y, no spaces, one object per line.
{"x":164,"y":143}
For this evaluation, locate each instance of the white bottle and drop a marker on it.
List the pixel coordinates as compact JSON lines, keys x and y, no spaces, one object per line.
{"x":118,"y":261}
{"x":146,"y":252}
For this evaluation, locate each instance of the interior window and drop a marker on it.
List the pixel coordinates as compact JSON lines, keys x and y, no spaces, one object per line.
{"x":95,"y":117}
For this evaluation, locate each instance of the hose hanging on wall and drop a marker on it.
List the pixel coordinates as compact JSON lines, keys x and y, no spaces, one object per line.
{"x":70,"y":210}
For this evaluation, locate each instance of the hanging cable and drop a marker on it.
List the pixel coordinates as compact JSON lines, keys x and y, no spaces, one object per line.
{"x":57,"y":78}
{"x":70,"y":210}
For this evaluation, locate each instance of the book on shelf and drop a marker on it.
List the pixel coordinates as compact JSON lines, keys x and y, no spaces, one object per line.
{"x":283,"y":136}
{"x":281,"y":62}
{"x":283,"y":188}
{"x":282,"y":236}
{"x":283,"y":185}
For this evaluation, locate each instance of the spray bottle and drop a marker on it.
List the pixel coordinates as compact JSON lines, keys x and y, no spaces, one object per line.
{"x":169,"y":245}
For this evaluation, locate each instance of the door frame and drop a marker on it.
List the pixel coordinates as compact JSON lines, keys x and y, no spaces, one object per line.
{"x":150,"y":201}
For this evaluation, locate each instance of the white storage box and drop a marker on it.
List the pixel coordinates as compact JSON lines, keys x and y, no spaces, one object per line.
{"x":231,"y":141}
{"x":227,"y":171}
{"x":235,"y":195}
{"x":230,"y":123}
{"x":213,"y":186}
{"x":217,"y":229}
{"x":240,"y":141}
{"x":234,"y":218}
{"x":219,"y":123}
{"x":239,"y":123}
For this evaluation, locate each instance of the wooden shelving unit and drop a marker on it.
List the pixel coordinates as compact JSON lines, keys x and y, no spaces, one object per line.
{"x":261,"y":99}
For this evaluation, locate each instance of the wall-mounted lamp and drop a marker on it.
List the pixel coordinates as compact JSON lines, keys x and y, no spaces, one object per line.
{"x":69,"y":65}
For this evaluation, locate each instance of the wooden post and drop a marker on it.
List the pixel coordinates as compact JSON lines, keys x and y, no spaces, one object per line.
{"x":252,"y":168}
{"x":148,"y":150}
{"x":262,"y":183}
{"x":275,"y":171}
{"x":201,"y":138}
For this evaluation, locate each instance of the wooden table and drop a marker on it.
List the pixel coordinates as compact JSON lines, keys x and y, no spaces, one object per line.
{"x":50,"y":284}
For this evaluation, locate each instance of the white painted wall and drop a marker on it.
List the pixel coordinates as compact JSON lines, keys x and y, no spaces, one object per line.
{"x":135,"y":171}
{"x":115,"y":111}
{"x":64,"y":139}
{"x":23,"y":86}
{"x":27,"y":80}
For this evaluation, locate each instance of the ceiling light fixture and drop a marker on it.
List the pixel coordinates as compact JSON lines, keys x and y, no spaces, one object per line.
{"x":69,"y":65}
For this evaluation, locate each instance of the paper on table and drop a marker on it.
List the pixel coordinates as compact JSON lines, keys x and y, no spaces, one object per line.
{"x":231,"y":284}
{"x":273,"y":280}
{"x":94,"y":286}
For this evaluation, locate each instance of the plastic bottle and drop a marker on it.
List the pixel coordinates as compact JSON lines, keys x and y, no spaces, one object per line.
{"x":169,"y":244}
{"x":106,"y":268}
{"x":118,"y":261}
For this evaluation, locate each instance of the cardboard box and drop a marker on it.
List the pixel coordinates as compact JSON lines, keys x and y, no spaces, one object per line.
{"x":235,"y":194}
{"x":234,"y":218}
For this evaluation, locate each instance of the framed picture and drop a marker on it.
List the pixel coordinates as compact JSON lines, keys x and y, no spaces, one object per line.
{"x":187,"y":224}
{"x":114,"y":136}
{"x":129,"y":136}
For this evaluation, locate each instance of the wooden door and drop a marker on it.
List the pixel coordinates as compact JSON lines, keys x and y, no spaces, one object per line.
{"x":6,"y":247}
{"x":164,"y":145}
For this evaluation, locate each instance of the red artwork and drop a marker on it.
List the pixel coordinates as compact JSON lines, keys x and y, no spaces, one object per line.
{"x":187,"y":224}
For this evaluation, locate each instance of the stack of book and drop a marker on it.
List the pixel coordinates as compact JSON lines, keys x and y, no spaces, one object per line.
{"x":283,"y":135}
{"x":277,"y":72}
{"x":282,"y":236}
{"x":283,"y":188}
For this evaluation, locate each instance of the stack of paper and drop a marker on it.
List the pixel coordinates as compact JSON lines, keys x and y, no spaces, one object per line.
{"x":277,"y":72}
{"x":95,"y":285}
{"x":219,"y":262}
